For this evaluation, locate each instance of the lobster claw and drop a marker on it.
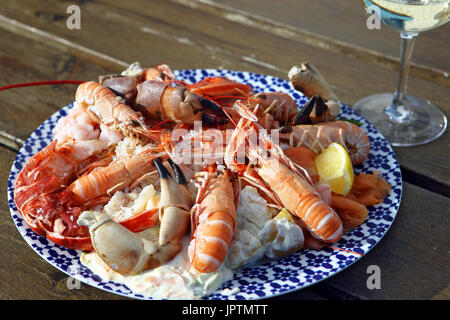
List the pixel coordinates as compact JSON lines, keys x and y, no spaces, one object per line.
{"x":175,"y":203}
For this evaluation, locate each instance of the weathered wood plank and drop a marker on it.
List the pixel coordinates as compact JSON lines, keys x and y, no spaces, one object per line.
{"x":24,"y":60}
{"x":443,"y":295}
{"x":413,"y":257}
{"x":190,"y":38}
{"x":338,"y":24}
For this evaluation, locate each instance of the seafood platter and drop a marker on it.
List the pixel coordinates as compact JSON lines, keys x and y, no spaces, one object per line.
{"x":204,"y":184}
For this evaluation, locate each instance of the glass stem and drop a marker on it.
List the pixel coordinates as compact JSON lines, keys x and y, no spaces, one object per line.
{"x":396,"y":111}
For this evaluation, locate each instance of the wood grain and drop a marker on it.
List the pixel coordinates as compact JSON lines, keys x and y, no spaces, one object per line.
{"x":413,"y":256}
{"x":339,"y":25}
{"x":24,"y":60}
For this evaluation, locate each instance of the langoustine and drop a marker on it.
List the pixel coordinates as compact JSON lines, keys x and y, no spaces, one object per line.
{"x":319,"y":136}
{"x":41,"y":194}
{"x":213,"y":219}
{"x":292,"y":188}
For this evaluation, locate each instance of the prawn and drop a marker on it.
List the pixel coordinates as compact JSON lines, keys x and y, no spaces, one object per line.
{"x":275,"y":108}
{"x":291,"y":184}
{"x":42,"y":198}
{"x":220,"y":87}
{"x":319,"y":136}
{"x":116,"y":176}
{"x":213,"y":219}
{"x":105,"y":107}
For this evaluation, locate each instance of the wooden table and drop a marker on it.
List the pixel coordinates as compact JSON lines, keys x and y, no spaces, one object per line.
{"x":266,"y":37}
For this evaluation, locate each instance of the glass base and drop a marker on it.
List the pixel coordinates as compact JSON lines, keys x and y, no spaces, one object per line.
{"x":423,"y":122}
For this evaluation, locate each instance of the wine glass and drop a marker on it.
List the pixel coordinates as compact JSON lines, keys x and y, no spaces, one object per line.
{"x":403,"y":119}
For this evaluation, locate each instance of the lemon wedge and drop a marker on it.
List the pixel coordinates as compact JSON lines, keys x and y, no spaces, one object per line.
{"x":284,"y":214}
{"x":335,"y":168}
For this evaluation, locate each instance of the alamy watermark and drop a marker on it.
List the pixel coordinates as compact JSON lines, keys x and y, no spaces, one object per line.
{"x":374,"y":280}
{"x":374,"y":19}
{"x":207,"y":146}
{"x":72,"y":283}
{"x":73,"y":21}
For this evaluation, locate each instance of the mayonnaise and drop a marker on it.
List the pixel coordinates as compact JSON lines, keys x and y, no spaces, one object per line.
{"x":257,"y":235}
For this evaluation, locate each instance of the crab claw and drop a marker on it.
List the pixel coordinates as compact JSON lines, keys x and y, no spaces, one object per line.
{"x":161,"y":100}
{"x":321,"y":107}
{"x":303,"y":116}
{"x":179,"y":175}
{"x":126,"y":252}
{"x":124,"y":86}
{"x":175,"y":203}
{"x":217,"y":115}
{"x":324,"y":110}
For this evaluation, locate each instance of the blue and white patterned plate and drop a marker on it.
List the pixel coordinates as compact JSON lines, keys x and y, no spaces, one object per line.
{"x":269,"y":279}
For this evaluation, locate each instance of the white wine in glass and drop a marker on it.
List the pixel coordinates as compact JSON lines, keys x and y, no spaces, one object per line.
{"x":403,"y":119}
